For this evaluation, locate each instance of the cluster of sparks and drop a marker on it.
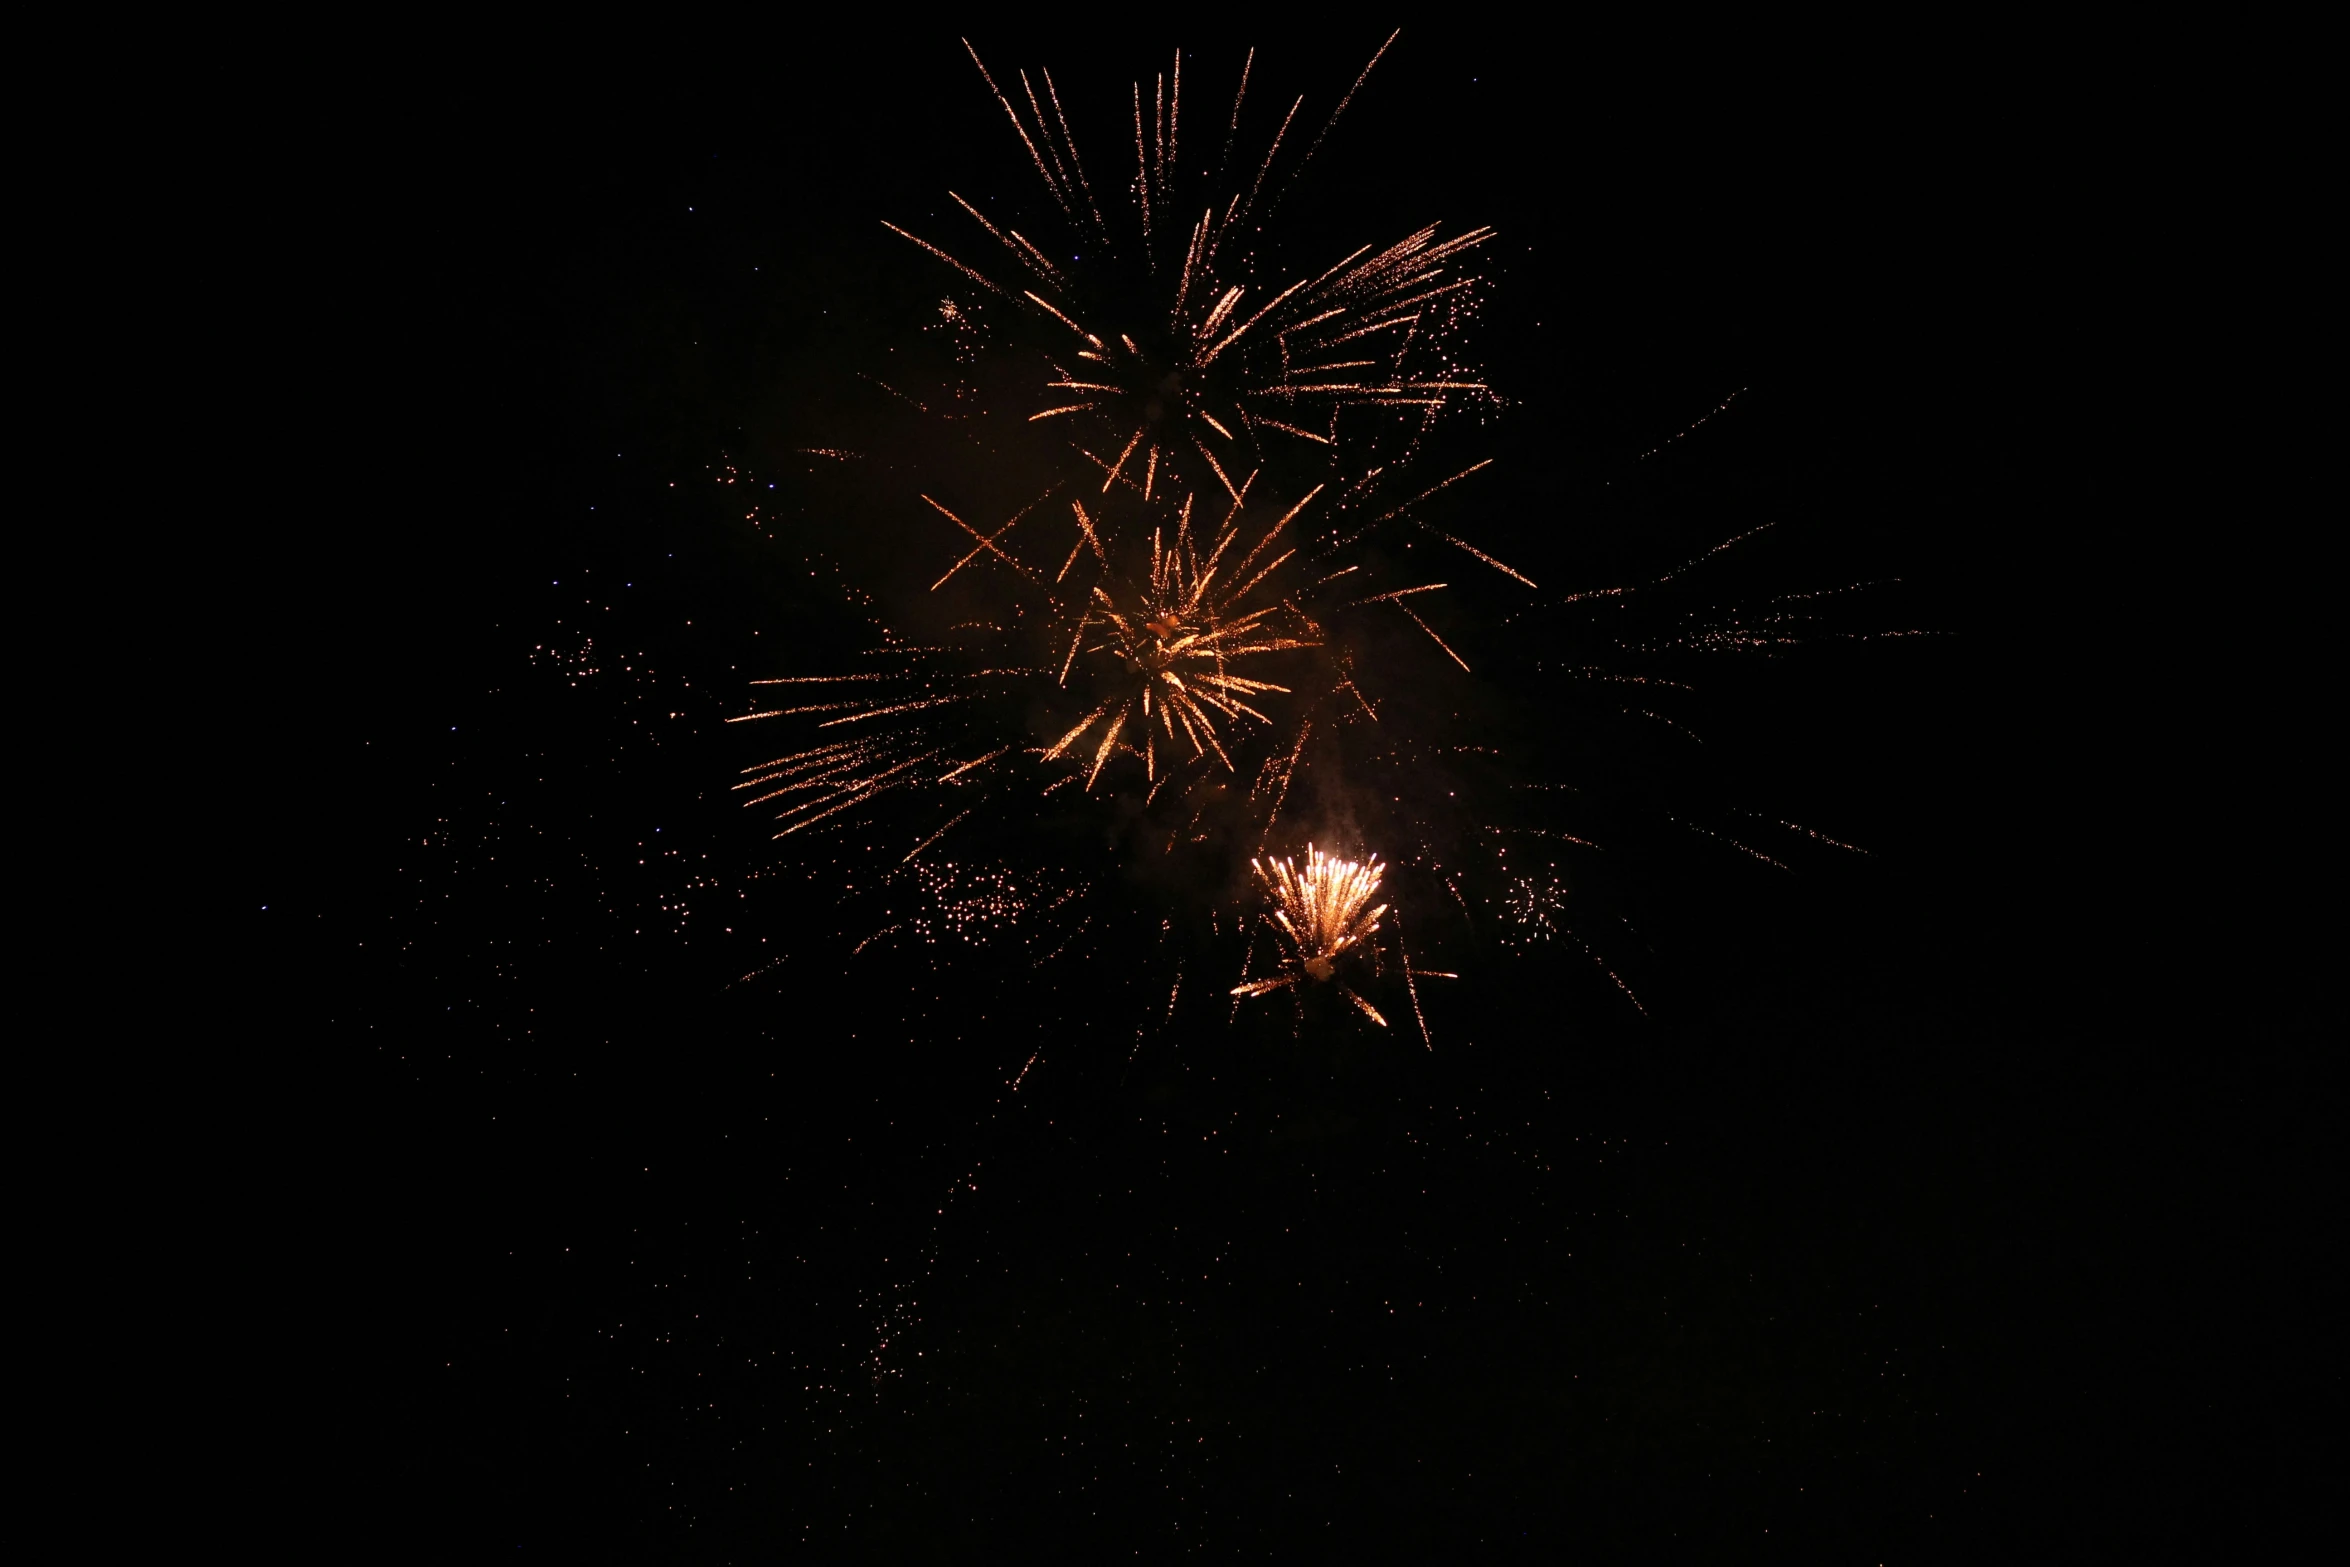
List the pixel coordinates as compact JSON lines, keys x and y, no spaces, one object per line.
{"x":1178,"y":377}
{"x":1170,"y":625}
{"x":1320,"y":911}
{"x":1175,"y":640}
{"x":1179,"y":362}
{"x":1201,"y":358}
{"x":1323,"y":915}
{"x":821,"y":782}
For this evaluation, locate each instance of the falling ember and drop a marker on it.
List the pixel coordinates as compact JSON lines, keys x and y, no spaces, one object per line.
{"x":1320,"y":915}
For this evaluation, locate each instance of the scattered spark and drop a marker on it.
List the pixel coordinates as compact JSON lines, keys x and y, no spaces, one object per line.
{"x":1720,"y":407}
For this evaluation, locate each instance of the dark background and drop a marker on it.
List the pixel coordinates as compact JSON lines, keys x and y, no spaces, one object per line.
{"x":1870,"y":1241}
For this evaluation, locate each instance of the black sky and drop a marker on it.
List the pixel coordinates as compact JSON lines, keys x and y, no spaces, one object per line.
{"x":1823,"y":1256}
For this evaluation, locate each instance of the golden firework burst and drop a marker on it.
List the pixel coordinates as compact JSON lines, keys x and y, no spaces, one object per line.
{"x":1163,"y":345}
{"x":1322,"y":915}
{"x":1173,"y":638}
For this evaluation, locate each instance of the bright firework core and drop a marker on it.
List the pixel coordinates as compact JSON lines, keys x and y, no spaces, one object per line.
{"x":1321,"y":913}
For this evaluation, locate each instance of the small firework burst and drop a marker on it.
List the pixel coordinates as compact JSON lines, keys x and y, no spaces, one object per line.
{"x":1173,"y":641}
{"x":1321,"y":914}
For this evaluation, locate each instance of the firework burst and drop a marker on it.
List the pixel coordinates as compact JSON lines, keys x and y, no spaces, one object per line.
{"x":1163,"y":337}
{"x":1322,"y":915}
{"x":1172,"y":640}
{"x":1170,"y":372}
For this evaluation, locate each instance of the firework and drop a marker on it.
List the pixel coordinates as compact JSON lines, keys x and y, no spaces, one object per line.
{"x":1321,"y":916}
{"x":1215,"y":449}
{"x":1167,"y":344}
{"x":814,"y":785}
{"x":1172,"y":640}
{"x":1176,"y":372}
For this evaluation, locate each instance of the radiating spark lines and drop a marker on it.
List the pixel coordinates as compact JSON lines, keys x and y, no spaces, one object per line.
{"x":1207,"y":362}
{"x":1320,"y":916}
{"x":1171,"y":642}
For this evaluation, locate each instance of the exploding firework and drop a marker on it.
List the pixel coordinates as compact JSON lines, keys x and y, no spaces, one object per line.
{"x":1163,"y":335}
{"x":1174,"y":639}
{"x":1322,"y":916}
{"x":1217,"y":458}
{"x":1177,"y":370}
{"x":1174,"y":378}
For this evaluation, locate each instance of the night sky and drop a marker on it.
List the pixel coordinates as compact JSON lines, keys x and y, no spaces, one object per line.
{"x":1817,"y":1255}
